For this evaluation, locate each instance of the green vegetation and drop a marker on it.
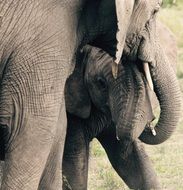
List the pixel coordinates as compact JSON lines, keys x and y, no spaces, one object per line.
{"x":167,"y":158}
{"x":169,"y":2}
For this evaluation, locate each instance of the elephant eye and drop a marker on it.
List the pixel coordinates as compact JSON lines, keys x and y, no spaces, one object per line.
{"x":154,"y":13}
{"x":101,"y":82}
{"x":156,"y":9}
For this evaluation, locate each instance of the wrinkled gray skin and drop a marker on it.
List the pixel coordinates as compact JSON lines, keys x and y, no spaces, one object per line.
{"x":38,"y":40}
{"x":132,"y":164}
{"x":142,"y":46}
{"x":135,"y":168}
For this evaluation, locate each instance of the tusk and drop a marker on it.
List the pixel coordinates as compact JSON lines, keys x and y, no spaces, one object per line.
{"x":123,"y":11}
{"x":153,"y":132}
{"x":115,"y":70}
{"x":117,"y":138}
{"x":151,"y":127}
{"x":148,"y":75}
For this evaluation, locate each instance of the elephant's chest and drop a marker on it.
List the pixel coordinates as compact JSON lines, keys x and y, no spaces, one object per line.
{"x":99,"y":24}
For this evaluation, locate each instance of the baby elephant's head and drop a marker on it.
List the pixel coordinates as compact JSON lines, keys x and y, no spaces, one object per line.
{"x":125,"y":99}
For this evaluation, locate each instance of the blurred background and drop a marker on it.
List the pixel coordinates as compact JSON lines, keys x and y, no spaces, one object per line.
{"x":167,"y":158}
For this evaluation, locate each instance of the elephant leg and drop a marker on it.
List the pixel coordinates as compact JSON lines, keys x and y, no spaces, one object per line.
{"x":30,"y":104}
{"x":75,"y":159}
{"x":136,"y":169}
{"x":52,"y":176}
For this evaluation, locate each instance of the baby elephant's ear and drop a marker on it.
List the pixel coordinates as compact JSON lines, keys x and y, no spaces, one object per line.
{"x":77,"y":96}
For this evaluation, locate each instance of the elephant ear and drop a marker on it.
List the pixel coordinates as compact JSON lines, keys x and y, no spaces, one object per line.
{"x":76,"y":94}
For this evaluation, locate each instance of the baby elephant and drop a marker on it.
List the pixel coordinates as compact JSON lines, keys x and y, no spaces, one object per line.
{"x":94,"y":110}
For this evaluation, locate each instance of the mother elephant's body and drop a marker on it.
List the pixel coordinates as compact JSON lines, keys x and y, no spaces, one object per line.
{"x":33,"y":69}
{"x":37,"y":43}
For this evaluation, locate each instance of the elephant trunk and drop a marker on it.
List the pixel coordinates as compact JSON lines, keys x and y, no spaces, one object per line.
{"x":132,"y":108}
{"x":168,"y":93}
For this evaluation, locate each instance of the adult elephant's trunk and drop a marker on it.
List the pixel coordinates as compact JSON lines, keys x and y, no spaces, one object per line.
{"x":164,"y":81}
{"x":168,"y":92}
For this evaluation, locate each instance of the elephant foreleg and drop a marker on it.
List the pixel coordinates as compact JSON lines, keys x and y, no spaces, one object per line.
{"x":75,"y":160}
{"x":136,"y":170}
{"x":30,"y":104}
{"x":52,"y":176}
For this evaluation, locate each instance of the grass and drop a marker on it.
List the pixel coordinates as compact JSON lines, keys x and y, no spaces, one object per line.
{"x":101,"y":174}
{"x":167,"y":158}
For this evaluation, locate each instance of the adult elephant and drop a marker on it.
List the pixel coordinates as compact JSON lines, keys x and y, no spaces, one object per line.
{"x":38,"y":40}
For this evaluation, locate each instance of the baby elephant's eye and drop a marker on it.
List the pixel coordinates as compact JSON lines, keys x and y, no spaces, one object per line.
{"x":101,"y":82}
